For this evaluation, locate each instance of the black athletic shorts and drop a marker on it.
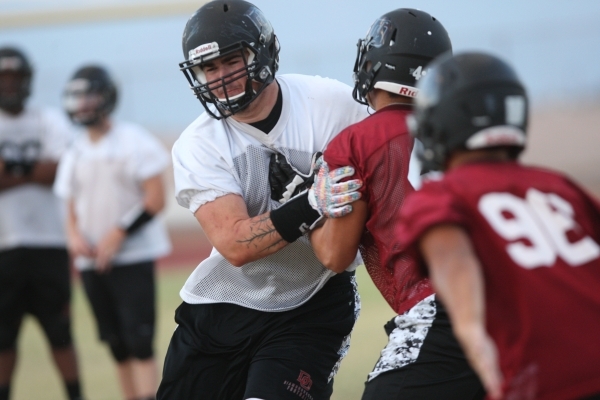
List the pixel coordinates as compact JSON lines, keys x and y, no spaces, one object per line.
{"x":440,"y":371}
{"x":35,"y":281}
{"x":227,"y":352}
{"x":123,"y":302}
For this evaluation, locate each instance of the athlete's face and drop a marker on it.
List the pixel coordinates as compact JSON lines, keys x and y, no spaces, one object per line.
{"x":11,"y":83}
{"x":83,"y":105}
{"x":226,"y":75}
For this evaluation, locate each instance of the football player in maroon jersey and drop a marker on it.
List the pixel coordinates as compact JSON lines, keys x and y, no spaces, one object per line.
{"x":511,"y":250}
{"x":422,"y":358}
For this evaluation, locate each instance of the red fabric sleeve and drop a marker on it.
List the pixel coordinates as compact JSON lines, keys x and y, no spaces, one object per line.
{"x":344,"y":150}
{"x":593,"y":208}
{"x":434,"y":204}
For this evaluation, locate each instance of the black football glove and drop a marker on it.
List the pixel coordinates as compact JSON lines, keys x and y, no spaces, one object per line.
{"x":285,"y":180}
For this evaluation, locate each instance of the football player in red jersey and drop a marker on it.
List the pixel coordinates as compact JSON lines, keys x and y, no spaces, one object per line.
{"x":422,"y":358}
{"x":511,"y":250}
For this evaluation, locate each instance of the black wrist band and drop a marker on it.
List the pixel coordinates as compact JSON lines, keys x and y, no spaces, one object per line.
{"x":142,"y":218}
{"x":294,"y":218}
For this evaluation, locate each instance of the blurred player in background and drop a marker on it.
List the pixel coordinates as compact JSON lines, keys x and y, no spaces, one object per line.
{"x":422,"y":359}
{"x":261,"y":318}
{"x":512,"y":251}
{"x":112,"y":180}
{"x":34,"y":264}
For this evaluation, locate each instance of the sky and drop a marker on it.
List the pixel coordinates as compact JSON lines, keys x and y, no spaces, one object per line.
{"x":553,"y":44}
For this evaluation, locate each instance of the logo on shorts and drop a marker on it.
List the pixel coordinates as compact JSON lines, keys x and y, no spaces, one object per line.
{"x":304,"y":380}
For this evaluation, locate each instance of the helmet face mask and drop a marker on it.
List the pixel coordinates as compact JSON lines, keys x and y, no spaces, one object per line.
{"x":221,"y":91}
{"x":15,"y":79}
{"x":395,"y":52}
{"x":89,"y":96}
{"x":218,"y":31}
{"x":469,"y":101}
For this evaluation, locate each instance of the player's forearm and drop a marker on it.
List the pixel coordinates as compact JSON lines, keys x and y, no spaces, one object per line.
{"x":457,"y":278}
{"x":336,"y":242}
{"x":237,"y":236}
{"x":71,"y":220}
{"x":9,"y":181}
{"x":332,"y":250}
{"x":250,"y":240}
{"x":154,"y":194}
{"x":460,"y":286}
{"x":43,"y":173}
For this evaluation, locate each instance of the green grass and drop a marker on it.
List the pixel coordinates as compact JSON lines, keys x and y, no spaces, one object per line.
{"x":36,"y":377}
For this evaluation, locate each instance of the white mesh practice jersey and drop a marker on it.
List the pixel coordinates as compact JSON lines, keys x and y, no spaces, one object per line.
{"x":104,"y":180}
{"x":30,"y":214}
{"x":217,"y":157}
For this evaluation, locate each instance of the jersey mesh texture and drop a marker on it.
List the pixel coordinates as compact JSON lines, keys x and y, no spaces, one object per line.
{"x":393,"y":273}
{"x":280,"y":281}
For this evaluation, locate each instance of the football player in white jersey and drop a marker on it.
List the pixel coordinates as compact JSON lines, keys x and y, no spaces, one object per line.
{"x":261,"y":317}
{"x":34,"y":264}
{"x":111,"y":178}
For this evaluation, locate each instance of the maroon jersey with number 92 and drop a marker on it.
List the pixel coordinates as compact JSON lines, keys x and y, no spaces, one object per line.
{"x":537,"y":237}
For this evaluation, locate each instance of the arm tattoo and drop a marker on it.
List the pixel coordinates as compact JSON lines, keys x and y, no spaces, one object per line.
{"x":262,"y":233}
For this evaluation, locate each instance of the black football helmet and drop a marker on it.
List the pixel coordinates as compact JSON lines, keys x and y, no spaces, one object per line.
{"x":468,"y":101}
{"x":89,"y":95}
{"x":15,"y":79}
{"x":394,"y":54}
{"x":220,"y":28}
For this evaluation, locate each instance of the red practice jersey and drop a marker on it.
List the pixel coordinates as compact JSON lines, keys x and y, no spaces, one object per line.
{"x":379,"y":149}
{"x":536,"y":235}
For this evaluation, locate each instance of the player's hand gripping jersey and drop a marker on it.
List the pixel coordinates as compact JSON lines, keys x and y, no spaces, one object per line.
{"x":379,"y":148}
{"x":537,"y":238}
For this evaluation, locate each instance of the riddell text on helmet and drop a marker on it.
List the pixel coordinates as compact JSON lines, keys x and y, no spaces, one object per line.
{"x":203,"y":50}
{"x":405,"y":91}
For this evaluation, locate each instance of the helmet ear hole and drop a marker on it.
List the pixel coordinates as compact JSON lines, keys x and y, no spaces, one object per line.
{"x":394,"y":38}
{"x":249,"y":56}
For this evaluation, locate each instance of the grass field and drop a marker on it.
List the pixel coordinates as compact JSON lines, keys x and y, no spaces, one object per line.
{"x":36,"y":377}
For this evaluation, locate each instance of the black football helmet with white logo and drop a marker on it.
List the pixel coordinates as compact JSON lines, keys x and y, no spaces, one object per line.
{"x":15,"y":79}
{"x":469,"y":101}
{"x":394,"y":54}
{"x":90,"y":95}
{"x":224,"y":27}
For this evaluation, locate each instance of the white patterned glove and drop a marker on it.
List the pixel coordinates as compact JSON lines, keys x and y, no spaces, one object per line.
{"x":330,"y":197}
